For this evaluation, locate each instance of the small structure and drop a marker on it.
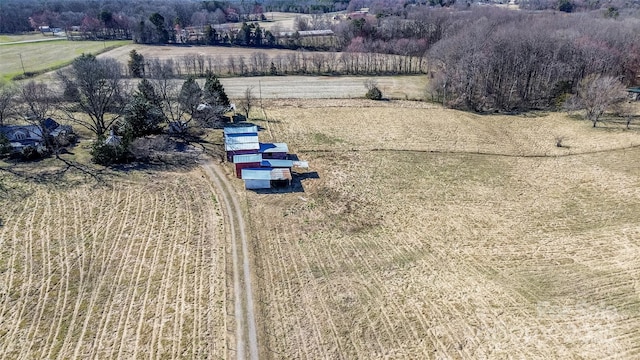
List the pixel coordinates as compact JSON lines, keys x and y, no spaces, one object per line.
{"x":273,"y":150}
{"x":246,"y":162}
{"x":240,"y":130}
{"x":113,"y":139}
{"x":266,"y":178}
{"x":634,"y":93}
{"x":241,"y":149}
{"x":241,"y":138}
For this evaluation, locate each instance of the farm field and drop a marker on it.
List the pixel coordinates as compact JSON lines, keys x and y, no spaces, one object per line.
{"x":44,"y":55}
{"x":130,"y":268}
{"x":432,"y":233}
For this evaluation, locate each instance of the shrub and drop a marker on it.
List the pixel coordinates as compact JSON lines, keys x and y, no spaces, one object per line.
{"x":105,"y":154}
{"x":374,"y":93}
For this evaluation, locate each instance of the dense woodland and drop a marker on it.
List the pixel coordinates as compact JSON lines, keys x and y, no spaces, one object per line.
{"x":479,"y":57}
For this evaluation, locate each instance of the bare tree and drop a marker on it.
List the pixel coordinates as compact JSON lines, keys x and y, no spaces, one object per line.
{"x":38,"y":104}
{"x":597,"y":93}
{"x":7,"y":102}
{"x":247,"y":102}
{"x":95,"y":87}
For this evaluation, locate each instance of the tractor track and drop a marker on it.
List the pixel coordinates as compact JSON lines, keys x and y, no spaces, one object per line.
{"x":246,"y":339}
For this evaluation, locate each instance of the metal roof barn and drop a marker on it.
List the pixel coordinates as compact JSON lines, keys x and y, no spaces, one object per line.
{"x":246,"y":161}
{"x":240,"y":130}
{"x":250,"y":158}
{"x":244,"y":139}
{"x":242,"y":146}
{"x":240,"y":149}
{"x":273,"y":150}
{"x":265,"y":178}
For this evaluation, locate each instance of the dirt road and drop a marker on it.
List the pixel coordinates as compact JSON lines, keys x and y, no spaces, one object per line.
{"x":245,"y":332}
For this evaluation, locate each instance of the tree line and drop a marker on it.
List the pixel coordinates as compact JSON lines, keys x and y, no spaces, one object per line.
{"x":261,"y":63}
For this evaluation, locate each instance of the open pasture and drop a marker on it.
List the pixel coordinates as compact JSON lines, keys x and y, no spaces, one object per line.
{"x":432,"y":233}
{"x":38,"y":56}
{"x":132,"y":269}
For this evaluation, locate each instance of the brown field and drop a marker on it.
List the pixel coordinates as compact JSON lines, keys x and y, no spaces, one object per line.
{"x":432,"y":233}
{"x":132,"y":269}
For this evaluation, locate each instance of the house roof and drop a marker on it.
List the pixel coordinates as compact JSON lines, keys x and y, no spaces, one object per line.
{"x":273,"y":148}
{"x":266,"y":174}
{"x":240,"y":129}
{"x":242,"y":146}
{"x":247,"y":158}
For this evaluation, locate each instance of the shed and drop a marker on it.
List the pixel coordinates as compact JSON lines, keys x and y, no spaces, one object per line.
{"x":273,"y":150}
{"x":265,"y":178}
{"x":241,"y":138}
{"x":245,"y":162}
{"x":634,"y":93}
{"x":240,"y":130}
{"x":241,"y":149}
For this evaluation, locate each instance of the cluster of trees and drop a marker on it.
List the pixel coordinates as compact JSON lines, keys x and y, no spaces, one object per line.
{"x":95,"y":96}
{"x":507,"y":61}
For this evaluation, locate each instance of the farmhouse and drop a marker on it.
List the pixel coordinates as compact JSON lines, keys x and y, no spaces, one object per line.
{"x":23,"y":136}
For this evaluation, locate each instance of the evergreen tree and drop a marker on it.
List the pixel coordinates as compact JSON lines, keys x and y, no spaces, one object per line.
{"x":214,"y":93}
{"x":136,"y":64}
{"x":190,"y":96}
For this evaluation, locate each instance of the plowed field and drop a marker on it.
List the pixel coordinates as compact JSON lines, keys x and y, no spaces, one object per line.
{"x":430,"y":233}
{"x":133,"y":269}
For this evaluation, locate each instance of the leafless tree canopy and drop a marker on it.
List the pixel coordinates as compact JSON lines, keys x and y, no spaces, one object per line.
{"x":597,"y":94}
{"x":95,"y":87}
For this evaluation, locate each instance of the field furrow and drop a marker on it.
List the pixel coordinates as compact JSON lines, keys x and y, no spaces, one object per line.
{"x":120,"y":271}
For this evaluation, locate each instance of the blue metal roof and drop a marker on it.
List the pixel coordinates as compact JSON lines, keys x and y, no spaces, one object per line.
{"x":240,"y":129}
{"x":266,"y":174}
{"x":248,"y":158}
{"x":274,"y":148}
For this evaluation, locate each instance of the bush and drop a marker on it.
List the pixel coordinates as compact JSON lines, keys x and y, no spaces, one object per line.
{"x":374,"y":94}
{"x":106,"y":155}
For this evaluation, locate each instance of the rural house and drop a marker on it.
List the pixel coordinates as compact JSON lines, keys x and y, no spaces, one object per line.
{"x":23,"y":136}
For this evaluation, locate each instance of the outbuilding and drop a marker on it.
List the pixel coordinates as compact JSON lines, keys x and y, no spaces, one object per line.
{"x":273,"y":150}
{"x":246,"y":162}
{"x":247,"y":129}
{"x":266,"y":178}
{"x":241,"y":149}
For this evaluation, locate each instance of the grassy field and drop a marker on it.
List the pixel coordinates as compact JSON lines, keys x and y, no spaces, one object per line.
{"x":432,"y":233}
{"x":129,"y":268}
{"x":46,"y":55}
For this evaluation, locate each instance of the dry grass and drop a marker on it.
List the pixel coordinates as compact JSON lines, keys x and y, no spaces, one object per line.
{"x":439,"y":234}
{"x":130,"y":269}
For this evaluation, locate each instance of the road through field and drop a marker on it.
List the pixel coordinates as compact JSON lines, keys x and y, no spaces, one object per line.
{"x":246,"y":335}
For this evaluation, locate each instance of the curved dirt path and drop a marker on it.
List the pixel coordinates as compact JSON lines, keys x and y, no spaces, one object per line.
{"x":245,"y":332}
